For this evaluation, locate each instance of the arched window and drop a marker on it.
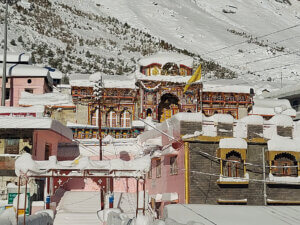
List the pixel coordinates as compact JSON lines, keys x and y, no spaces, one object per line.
{"x":125,"y":119}
{"x":111,"y":119}
{"x":285,"y":165}
{"x":233,"y":165}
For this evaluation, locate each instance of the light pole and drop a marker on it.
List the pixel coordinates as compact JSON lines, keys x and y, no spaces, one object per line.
{"x":98,"y":92}
{"x":6,"y":2}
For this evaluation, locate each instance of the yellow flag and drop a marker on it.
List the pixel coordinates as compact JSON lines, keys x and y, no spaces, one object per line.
{"x":196,"y":76}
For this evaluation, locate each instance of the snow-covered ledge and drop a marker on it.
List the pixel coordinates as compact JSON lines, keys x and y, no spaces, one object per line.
{"x":283,"y":179}
{"x":233,"y":180}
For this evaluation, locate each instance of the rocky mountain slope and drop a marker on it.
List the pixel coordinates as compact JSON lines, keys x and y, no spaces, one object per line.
{"x":230,"y":38}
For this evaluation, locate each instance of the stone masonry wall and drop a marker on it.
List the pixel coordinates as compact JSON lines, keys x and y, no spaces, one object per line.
{"x":285,"y":131}
{"x":225,"y":130}
{"x":254,"y":131}
{"x":189,"y":127}
{"x":205,"y":190}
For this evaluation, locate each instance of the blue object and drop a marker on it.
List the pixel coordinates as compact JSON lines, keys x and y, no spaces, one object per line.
{"x":111,"y":199}
{"x":47,"y":199}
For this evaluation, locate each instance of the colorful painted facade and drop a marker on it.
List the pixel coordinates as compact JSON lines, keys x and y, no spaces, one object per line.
{"x":155,"y":91}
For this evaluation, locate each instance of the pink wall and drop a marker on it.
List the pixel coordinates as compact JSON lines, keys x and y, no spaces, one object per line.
{"x":168,"y":183}
{"x":121,"y":184}
{"x":38,"y":84}
{"x":43,"y":137}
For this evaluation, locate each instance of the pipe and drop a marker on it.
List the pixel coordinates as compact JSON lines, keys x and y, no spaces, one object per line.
{"x":17,"y":214}
{"x":4,"y":57}
{"x":137,"y":196}
{"x":24,"y":221}
{"x":144,"y":187}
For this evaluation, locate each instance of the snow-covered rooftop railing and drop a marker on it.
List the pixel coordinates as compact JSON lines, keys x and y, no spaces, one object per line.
{"x":281,"y":120}
{"x":284,"y":144}
{"x":189,"y":117}
{"x":167,"y":57}
{"x":237,"y":143}
{"x":220,"y":118}
{"x":253,"y":120}
{"x":25,"y":165}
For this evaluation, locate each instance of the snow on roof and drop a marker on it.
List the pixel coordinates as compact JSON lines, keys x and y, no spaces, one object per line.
{"x":13,"y":57}
{"x":35,"y":123}
{"x":154,"y":142}
{"x":225,"y":86}
{"x":23,"y":70}
{"x":90,"y":147}
{"x":61,"y":86}
{"x":56,"y":74}
{"x":80,"y":80}
{"x":232,"y":214}
{"x":167,"y":57}
{"x":189,"y":117}
{"x":83,"y":126}
{"x":233,"y":143}
{"x":272,"y":107}
{"x":173,"y":79}
{"x":253,"y":120}
{"x":290,"y":90}
{"x":281,"y":120}
{"x":48,"y":99}
{"x":32,"y":109}
{"x":138,"y":123}
{"x":279,"y":143}
{"x":25,"y":164}
{"x":114,"y":81}
{"x":220,"y":118}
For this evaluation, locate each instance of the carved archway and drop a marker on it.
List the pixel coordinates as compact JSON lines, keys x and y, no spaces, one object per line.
{"x":168,"y":106}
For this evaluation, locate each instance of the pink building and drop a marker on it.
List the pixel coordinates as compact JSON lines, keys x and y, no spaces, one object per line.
{"x":41,"y":135}
{"x":24,"y":77}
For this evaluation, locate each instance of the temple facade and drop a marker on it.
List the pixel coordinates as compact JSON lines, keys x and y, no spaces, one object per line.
{"x":154,"y":92}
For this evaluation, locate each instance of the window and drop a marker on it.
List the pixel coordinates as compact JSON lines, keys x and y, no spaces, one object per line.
{"x":48,"y":149}
{"x":111,"y":119}
{"x":7,"y":93}
{"x":11,"y":146}
{"x":158,"y":168}
{"x":125,"y":119}
{"x":285,"y":165}
{"x":29,"y":90}
{"x":173,"y":165}
{"x":233,"y":165}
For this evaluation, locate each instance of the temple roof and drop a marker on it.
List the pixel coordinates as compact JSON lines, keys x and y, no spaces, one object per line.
{"x":167,"y":57}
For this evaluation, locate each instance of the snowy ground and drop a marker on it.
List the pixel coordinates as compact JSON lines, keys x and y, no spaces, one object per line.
{"x":78,"y":208}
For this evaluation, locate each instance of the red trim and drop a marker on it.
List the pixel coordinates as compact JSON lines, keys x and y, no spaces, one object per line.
{"x":184,"y":66}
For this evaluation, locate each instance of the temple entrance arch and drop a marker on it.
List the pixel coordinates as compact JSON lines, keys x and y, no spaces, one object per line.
{"x":168,"y":106}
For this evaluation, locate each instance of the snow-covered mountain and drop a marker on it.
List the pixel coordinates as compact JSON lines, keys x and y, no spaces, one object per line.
{"x":257,"y":39}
